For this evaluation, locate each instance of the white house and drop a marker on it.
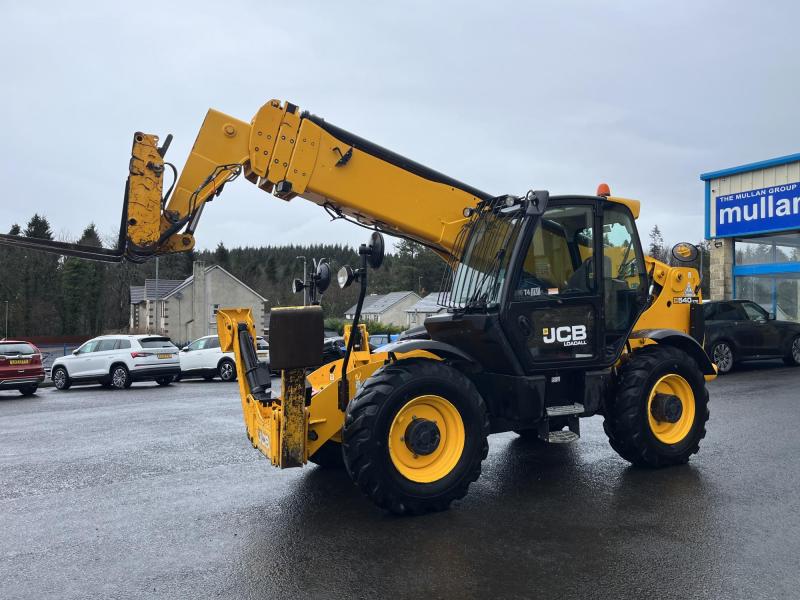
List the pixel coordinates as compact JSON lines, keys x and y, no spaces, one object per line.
{"x":386,"y":308}
{"x":187,"y":309}
{"x":418,"y":312}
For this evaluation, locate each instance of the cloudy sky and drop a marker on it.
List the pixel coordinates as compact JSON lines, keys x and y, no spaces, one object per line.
{"x":505,"y":96}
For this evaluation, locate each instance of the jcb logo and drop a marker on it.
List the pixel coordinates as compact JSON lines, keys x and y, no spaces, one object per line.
{"x":569,"y":335}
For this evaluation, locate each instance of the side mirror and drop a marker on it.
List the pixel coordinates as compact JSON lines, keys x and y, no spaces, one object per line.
{"x":376,"y":248}
{"x":75,"y":352}
{"x":185,"y":349}
{"x":298,"y":286}
{"x":323,"y":277}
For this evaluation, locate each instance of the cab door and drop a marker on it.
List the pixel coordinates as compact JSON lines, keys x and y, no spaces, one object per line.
{"x":579,"y":285}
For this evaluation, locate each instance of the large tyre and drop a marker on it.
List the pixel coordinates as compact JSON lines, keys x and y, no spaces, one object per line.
{"x":659,"y":414}
{"x":723,"y":356}
{"x":120,"y":377}
{"x":28,"y":390}
{"x":415,"y":435}
{"x":329,"y":456}
{"x":60,"y":378}
{"x":792,"y":358}
{"x":227,"y":370}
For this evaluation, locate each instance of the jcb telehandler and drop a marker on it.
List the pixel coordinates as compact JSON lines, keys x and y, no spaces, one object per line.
{"x":552,"y":313}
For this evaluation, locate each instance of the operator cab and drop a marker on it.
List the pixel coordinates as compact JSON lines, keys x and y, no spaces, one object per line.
{"x":545,"y":284}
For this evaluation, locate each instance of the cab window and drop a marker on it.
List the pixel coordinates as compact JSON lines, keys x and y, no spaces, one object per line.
{"x":623,"y":268}
{"x":197,"y":344}
{"x":559,"y":259}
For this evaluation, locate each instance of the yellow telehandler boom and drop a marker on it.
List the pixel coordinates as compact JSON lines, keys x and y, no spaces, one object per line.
{"x":552,"y":313}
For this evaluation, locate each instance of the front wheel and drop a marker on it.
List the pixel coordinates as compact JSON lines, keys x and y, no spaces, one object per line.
{"x":227,"y":370}
{"x":793,"y":357}
{"x":722,"y":355}
{"x":61,"y":379}
{"x":414,"y":436}
{"x":660,"y":412}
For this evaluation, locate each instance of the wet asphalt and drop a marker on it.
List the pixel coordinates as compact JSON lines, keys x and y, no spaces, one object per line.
{"x":155,"y":493}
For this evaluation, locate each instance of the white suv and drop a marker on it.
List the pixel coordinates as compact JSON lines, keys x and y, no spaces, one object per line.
{"x":116,"y":361}
{"x":204,"y":358}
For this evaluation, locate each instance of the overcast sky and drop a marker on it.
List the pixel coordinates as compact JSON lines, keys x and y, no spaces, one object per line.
{"x":505,"y":96}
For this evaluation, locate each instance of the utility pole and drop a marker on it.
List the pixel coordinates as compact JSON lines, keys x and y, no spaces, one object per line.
{"x":305,"y":280}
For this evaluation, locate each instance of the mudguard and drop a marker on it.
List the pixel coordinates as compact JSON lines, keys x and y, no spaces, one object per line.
{"x":680,"y":340}
{"x":438,"y":348}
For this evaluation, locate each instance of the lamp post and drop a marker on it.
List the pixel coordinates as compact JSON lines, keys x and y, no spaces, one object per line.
{"x":305,"y":279}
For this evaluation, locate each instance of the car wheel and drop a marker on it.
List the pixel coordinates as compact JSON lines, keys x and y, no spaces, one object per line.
{"x":28,"y":390}
{"x":166,"y":380}
{"x":60,"y":378}
{"x":120,"y":377}
{"x":722,"y":355}
{"x":793,"y":358}
{"x":227,"y":370}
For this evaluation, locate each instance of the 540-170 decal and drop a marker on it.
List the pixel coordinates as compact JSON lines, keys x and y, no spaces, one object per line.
{"x":568,"y":335}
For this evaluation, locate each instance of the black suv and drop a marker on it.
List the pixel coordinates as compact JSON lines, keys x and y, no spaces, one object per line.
{"x":739,"y":330}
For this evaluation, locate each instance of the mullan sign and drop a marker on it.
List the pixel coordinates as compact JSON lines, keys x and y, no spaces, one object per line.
{"x":774,"y":208}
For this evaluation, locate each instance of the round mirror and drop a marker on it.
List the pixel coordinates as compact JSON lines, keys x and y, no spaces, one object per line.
{"x":376,"y":250}
{"x":323,"y":277}
{"x":298,"y":286}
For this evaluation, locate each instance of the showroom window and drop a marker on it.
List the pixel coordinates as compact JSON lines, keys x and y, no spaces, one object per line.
{"x":767,"y":271}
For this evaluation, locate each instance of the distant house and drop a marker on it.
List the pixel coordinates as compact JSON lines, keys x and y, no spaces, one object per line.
{"x":186,"y":309}
{"x":386,"y":308}
{"x":418,"y":312}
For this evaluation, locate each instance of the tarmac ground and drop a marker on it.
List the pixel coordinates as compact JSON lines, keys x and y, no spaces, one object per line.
{"x":155,"y":493}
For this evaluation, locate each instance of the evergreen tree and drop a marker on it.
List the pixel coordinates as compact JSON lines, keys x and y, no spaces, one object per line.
{"x":38,"y":275}
{"x":657,"y":248}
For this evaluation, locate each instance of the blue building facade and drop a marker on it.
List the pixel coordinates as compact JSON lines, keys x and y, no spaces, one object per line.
{"x":752,"y":220}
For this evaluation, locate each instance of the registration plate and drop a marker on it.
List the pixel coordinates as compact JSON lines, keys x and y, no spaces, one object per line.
{"x":165,"y":356}
{"x":18,"y":361}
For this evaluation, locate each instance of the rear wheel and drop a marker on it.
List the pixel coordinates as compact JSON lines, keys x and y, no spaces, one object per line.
{"x":415,"y":435}
{"x":60,"y":378}
{"x":166,"y":380}
{"x":329,"y":456}
{"x":793,"y":357}
{"x":120,"y":377}
{"x":659,"y":415}
{"x":28,"y":390}
{"x":227,"y":370}
{"x":722,"y":355}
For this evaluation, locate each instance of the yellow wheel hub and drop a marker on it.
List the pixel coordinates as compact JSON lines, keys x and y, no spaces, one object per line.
{"x":671,"y":409}
{"x":426,"y":439}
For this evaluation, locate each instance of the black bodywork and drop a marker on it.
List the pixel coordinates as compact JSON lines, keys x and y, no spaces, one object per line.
{"x":750,"y":331}
{"x":499,"y":345}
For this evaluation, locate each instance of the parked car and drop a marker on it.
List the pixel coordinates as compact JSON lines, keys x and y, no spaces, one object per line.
{"x":116,"y":361}
{"x":20,"y":367}
{"x":204,"y":358}
{"x":741,"y":330}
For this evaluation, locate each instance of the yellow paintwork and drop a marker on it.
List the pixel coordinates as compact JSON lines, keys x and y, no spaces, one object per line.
{"x":672,"y":433}
{"x":434,"y":466}
{"x":634,"y":205}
